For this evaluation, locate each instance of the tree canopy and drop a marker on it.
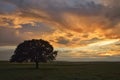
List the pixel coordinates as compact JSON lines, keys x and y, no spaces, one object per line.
{"x":34,"y":51}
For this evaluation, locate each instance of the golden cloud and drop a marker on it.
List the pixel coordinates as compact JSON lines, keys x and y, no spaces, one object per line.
{"x":75,"y":25}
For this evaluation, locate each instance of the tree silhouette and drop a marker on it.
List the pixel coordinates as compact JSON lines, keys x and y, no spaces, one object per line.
{"x":34,"y":51}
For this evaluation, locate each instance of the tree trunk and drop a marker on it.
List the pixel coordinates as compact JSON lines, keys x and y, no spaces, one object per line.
{"x":37,"y":65}
{"x":37,"y":62}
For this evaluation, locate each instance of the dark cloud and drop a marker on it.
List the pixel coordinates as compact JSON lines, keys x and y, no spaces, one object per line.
{"x":8,"y":36}
{"x":7,"y":8}
{"x":112,"y":11}
{"x":54,"y":9}
{"x":62,"y":40}
{"x":36,"y":28}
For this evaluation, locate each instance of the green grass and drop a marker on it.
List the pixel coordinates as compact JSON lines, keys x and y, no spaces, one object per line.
{"x":61,"y":71}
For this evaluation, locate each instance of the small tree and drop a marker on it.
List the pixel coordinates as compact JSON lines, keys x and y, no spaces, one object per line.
{"x":34,"y":51}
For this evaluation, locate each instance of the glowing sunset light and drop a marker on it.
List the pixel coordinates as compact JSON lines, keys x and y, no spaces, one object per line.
{"x":106,"y":54}
{"x":76,"y":28}
{"x":103,"y":43}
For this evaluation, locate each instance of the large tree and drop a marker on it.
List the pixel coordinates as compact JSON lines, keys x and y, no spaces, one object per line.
{"x":34,"y":51}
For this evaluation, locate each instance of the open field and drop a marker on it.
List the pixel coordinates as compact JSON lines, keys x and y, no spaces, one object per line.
{"x":61,"y":71}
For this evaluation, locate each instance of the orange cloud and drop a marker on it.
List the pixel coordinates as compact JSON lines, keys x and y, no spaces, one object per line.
{"x":68,"y":24}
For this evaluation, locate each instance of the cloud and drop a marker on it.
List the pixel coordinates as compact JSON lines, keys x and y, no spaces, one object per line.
{"x":78,"y":15}
{"x":9,"y":36}
{"x":89,"y":18}
{"x":65,"y":23}
{"x":109,"y":52}
{"x":7,"y":8}
{"x":36,"y":27}
{"x":72,"y":15}
{"x":62,"y":40}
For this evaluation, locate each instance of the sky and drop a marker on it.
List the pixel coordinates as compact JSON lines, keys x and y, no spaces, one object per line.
{"x":81,"y":30}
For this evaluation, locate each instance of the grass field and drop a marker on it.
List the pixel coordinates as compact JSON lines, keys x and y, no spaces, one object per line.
{"x":61,"y":71}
